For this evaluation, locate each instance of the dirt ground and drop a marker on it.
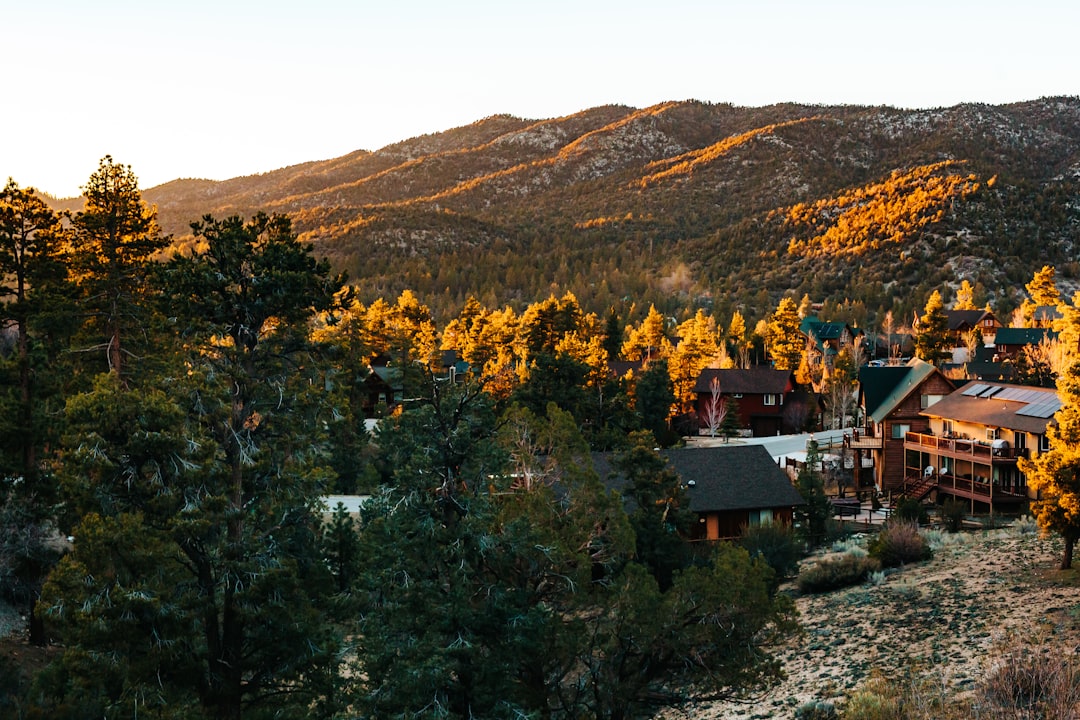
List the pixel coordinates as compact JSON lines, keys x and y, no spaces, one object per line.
{"x":943,"y":618}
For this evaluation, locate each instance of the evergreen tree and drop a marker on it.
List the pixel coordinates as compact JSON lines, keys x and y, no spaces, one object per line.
{"x":34,"y":302}
{"x":197,"y":569}
{"x":654,"y":397}
{"x":813,"y":518}
{"x":114,"y":240}
{"x":965,"y":297}
{"x":784,"y":341}
{"x":1055,"y":474}
{"x":661,"y":516}
{"x":932,"y":342}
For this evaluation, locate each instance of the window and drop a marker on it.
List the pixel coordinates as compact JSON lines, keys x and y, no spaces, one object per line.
{"x":770,"y":399}
{"x":760,"y":517}
{"x":991,"y":434}
{"x":1044,"y":444}
{"x":898,"y":431}
{"x":927,"y":400}
{"x":737,"y":396}
{"x":946,"y":428}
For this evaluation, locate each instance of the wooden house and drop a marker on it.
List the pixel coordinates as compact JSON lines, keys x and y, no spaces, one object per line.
{"x":892,"y":399}
{"x":760,"y":393}
{"x":1010,"y":342}
{"x":974,"y":437}
{"x":962,"y":322}
{"x":729,"y":488}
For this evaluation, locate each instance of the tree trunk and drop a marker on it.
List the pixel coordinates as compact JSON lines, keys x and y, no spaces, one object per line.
{"x":1066,"y":559}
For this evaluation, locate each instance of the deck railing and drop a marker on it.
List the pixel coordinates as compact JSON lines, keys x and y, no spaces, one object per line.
{"x":963,"y":447}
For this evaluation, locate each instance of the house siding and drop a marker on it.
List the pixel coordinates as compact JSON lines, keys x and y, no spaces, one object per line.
{"x":890,"y":469}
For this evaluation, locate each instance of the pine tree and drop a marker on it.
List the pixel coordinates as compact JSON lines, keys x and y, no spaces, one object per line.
{"x":198,"y":571}
{"x":965,"y":297}
{"x":813,"y":518}
{"x":1055,"y":474}
{"x":932,"y":340}
{"x":784,"y":341}
{"x":114,"y":240}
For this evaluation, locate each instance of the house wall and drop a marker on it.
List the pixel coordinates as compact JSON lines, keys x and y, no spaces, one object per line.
{"x":979,"y":432}
{"x":889,"y":460}
{"x":753,"y":412}
{"x":731,"y":523}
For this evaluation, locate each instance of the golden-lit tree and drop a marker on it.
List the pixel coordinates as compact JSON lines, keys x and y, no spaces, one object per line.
{"x":698,"y":348}
{"x":965,"y":297}
{"x":649,"y":340}
{"x":1055,"y":474}
{"x":738,"y":341}
{"x":783,"y":339}
{"x":114,"y":240}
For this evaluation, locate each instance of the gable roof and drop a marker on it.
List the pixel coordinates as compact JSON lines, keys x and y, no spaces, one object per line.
{"x":1000,"y":405}
{"x":739,"y":477}
{"x":821,"y":331}
{"x":960,"y":319}
{"x":884,"y":388}
{"x":754,"y":380}
{"x":1022,"y":336}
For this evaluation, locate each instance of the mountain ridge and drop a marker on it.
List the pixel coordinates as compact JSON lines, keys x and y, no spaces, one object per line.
{"x":610,"y":201}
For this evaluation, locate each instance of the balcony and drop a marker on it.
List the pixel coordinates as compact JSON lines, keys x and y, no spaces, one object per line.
{"x":861,"y":439}
{"x":963,"y":448}
{"x":966,"y":488}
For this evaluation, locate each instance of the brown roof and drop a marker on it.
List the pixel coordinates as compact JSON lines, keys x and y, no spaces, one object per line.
{"x":756,"y":380}
{"x":1014,"y":407}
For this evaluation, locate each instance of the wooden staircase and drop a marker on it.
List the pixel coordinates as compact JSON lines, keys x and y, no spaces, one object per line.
{"x":918,"y":488}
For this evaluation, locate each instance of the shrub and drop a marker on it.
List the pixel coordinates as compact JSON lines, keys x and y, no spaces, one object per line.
{"x":848,"y":546}
{"x":835,"y":572}
{"x":876,"y":578}
{"x":952,"y":513}
{"x":911,"y":510}
{"x":1026,"y":525}
{"x":775,"y":543}
{"x":899,"y":543}
{"x":816,"y":710}
{"x":1032,"y":676}
{"x":869,"y":704}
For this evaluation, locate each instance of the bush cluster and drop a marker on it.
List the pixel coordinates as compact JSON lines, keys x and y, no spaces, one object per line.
{"x":899,"y":543}
{"x":832,"y":573}
{"x":952,"y":513}
{"x":816,"y":710}
{"x":775,"y":543}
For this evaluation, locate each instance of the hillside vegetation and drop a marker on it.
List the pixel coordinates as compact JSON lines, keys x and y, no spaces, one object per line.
{"x":688,"y":204}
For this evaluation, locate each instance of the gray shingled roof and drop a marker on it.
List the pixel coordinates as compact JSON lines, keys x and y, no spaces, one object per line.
{"x":755,"y":380}
{"x":740,"y":477}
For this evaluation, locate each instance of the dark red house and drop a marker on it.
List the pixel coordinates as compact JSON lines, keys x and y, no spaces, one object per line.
{"x":759,"y":392}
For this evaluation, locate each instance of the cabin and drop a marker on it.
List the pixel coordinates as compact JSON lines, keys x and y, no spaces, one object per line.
{"x":729,"y":488}
{"x":892,"y":399}
{"x":962,"y":322}
{"x":760,"y":394}
{"x":825,"y":340}
{"x":974,"y":437}
{"x":1010,"y":342}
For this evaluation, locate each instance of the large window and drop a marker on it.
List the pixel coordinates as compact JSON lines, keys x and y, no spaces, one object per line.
{"x":770,"y":399}
{"x":898,"y":431}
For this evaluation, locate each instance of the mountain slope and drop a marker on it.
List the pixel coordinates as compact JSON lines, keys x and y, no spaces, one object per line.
{"x":690,"y":203}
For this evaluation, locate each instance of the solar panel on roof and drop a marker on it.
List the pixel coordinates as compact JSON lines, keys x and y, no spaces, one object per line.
{"x":989,"y":391}
{"x":1012,"y":393}
{"x":1044,"y":409}
{"x":974,"y":390}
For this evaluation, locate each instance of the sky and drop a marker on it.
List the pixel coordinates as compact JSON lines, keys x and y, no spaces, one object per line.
{"x":222,"y":88}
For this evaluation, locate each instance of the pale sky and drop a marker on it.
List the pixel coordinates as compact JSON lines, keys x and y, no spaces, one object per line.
{"x":222,"y":88}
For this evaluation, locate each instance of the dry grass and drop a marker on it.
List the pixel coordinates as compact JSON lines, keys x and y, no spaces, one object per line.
{"x":937,"y":635}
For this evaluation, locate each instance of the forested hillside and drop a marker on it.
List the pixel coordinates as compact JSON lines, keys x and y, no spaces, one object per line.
{"x":688,"y":205}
